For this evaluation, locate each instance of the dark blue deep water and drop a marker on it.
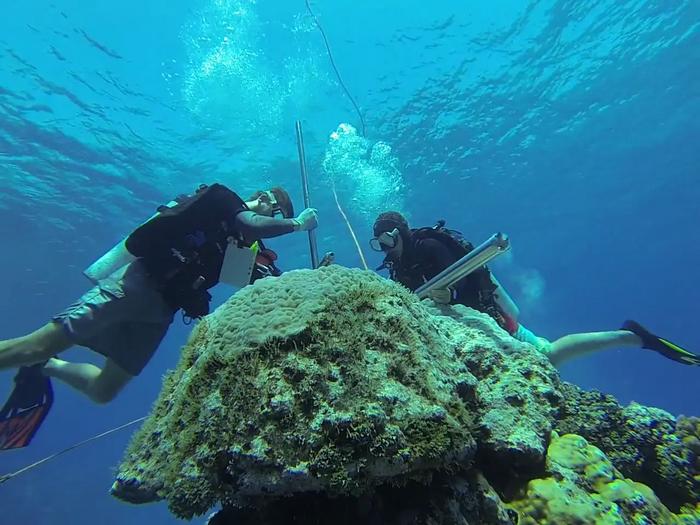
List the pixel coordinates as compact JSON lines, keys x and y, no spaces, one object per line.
{"x":572,"y":126}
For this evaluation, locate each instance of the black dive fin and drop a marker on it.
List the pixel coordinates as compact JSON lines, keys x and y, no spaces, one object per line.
{"x":26,"y":408}
{"x":661,"y":345}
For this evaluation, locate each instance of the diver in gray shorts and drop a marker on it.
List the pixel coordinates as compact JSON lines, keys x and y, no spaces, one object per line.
{"x":165,"y":265}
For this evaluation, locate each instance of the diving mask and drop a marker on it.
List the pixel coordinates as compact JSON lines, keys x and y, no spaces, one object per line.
{"x":385,"y":241}
{"x":276,"y":209}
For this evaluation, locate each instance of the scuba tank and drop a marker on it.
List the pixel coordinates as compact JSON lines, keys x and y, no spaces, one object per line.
{"x":116,"y":258}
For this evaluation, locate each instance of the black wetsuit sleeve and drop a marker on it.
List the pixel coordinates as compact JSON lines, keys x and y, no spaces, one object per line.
{"x":254,"y":226}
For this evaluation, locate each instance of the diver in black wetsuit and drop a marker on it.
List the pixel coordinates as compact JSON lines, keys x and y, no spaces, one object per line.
{"x":179,"y":255}
{"x":414,"y":256}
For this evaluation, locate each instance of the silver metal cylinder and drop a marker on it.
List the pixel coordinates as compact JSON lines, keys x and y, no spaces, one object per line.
{"x":497,"y":244}
{"x":305,"y":189}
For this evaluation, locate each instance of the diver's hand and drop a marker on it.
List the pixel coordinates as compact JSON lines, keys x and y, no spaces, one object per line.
{"x":306,"y":220}
{"x":441,"y":295}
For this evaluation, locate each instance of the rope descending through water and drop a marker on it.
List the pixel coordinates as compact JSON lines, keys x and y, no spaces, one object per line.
{"x":352,"y":232}
{"x":335,"y":68}
{"x":7,"y":477}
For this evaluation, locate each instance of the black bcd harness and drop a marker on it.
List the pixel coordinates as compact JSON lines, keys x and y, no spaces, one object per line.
{"x":183,"y":246}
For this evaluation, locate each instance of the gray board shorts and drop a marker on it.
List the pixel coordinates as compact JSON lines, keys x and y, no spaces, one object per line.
{"x":124,"y":318}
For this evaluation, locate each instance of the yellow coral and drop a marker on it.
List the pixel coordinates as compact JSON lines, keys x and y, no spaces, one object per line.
{"x":690,"y":515}
{"x":584,"y":488}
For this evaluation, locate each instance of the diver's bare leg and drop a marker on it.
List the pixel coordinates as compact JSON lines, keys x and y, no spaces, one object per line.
{"x":33,"y":348}
{"x":101,"y":385}
{"x":577,"y":345}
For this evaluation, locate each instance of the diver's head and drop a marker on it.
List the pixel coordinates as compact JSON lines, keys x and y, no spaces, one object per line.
{"x":271,"y":202}
{"x":391,"y":233}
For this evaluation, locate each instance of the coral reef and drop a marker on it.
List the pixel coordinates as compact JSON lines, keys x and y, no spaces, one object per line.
{"x":582,"y":487}
{"x":335,"y":396}
{"x":643,"y":443}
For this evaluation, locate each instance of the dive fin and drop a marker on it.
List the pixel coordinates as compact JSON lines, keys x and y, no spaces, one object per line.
{"x":661,"y":345}
{"x":26,"y":408}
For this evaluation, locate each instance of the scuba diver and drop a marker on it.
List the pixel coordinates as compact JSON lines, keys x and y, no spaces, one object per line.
{"x":414,"y":256}
{"x":170,"y":262}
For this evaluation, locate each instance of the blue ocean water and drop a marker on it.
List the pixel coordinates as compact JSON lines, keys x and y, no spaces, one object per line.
{"x":571,"y":126}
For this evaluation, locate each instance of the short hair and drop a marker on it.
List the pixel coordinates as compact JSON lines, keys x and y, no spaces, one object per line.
{"x":282,"y":198}
{"x":389,"y":220}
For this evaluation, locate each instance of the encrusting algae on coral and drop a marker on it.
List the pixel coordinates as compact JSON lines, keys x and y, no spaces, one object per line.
{"x":584,"y":488}
{"x":338,"y":396}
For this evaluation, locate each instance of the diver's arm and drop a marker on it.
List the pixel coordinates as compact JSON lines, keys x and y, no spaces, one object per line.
{"x":504,"y":300}
{"x":254,"y":226}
